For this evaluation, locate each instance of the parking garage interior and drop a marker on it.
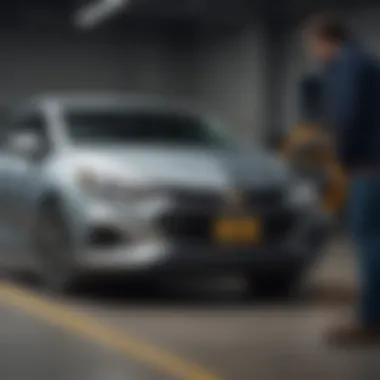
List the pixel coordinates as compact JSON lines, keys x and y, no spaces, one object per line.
{"x":242,"y":60}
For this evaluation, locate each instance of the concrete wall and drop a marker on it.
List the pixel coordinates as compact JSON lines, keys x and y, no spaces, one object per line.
{"x":33,"y":62}
{"x":223,"y":71}
{"x":231,"y":78}
{"x":366,"y":26}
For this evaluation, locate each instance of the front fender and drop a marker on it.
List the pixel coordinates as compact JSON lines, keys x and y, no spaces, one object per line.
{"x":70,"y":205}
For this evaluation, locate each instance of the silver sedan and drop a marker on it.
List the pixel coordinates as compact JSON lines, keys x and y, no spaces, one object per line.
{"x":114,"y":185}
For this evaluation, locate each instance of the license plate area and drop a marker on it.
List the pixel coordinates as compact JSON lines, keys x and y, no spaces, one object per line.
{"x":237,"y":231}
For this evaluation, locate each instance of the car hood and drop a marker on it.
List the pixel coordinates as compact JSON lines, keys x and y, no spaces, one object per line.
{"x":186,"y":166}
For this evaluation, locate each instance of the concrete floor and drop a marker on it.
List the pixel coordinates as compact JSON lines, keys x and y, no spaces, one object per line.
{"x":191,"y":333}
{"x":31,"y":349}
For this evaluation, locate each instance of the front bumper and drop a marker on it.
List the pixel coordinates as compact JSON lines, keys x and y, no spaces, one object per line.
{"x":147,"y":251}
{"x":154,"y":255}
{"x":148,"y":258}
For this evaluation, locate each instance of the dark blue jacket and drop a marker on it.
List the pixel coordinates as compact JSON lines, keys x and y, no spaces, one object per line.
{"x":310,"y":98}
{"x":352,"y":100}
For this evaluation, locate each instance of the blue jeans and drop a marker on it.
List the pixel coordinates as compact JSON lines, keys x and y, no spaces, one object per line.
{"x":364,"y":227}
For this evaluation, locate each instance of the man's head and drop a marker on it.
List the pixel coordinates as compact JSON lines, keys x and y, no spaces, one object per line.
{"x":324,"y":36}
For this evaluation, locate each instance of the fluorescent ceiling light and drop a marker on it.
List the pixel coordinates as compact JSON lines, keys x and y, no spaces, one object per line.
{"x":97,"y":12}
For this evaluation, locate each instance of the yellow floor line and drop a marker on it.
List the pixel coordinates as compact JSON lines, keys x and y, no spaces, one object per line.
{"x":80,"y":324}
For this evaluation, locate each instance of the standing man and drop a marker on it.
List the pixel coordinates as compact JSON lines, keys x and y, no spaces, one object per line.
{"x":351,"y":84}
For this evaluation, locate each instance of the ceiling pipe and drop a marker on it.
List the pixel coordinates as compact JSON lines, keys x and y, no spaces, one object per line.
{"x":97,"y":12}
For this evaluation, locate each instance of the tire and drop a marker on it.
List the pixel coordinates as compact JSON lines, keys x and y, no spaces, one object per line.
{"x":53,"y":251}
{"x":274,"y":285}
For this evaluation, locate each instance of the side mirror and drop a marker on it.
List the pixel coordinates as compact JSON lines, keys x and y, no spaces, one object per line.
{"x":24,"y":144}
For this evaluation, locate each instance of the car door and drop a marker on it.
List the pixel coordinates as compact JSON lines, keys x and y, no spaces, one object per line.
{"x":22,"y":182}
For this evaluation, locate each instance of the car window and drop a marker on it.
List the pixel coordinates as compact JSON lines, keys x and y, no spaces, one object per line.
{"x":141,"y":127}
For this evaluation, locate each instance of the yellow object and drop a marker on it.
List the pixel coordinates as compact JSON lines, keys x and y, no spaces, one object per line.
{"x":237,"y":231}
{"x":309,"y":146}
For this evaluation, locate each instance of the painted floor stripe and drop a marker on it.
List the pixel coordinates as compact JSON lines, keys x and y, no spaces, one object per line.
{"x":81,"y":324}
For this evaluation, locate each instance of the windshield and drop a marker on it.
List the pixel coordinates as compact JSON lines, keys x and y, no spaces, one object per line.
{"x":141,"y":127}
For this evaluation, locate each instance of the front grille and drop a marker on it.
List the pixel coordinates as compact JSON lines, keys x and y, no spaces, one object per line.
{"x":192,"y":218}
{"x":198,"y":228}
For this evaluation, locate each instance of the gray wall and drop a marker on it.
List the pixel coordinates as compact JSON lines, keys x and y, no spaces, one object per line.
{"x":221,"y":71}
{"x":225,"y":71}
{"x":231,"y":78}
{"x":366,"y":26}
{"x":33,"y":62}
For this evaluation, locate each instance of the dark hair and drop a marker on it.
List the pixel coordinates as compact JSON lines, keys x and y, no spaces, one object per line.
{"x":328,"y":27}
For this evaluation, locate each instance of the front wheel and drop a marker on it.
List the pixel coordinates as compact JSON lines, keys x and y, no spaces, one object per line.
{"x":53,"y":251}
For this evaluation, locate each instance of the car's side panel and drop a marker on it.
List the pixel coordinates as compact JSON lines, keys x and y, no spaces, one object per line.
{"x":12,"y":216}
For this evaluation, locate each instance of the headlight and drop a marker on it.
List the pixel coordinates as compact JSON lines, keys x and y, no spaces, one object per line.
{"x":303,"y":194}
{"x":110,"y":187}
